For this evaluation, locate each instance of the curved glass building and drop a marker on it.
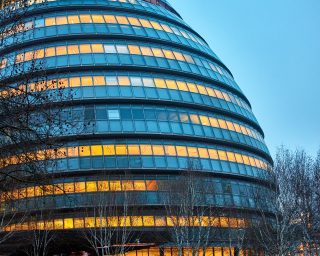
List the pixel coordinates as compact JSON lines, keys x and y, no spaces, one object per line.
{"x":152,"y":101}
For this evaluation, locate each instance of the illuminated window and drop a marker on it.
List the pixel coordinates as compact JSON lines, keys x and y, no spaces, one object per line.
{"x":179,"y":56}
{"x":61,"y":50}
{"x":86,"y":81}
{"x":231,"y":156}
{"x":134,"y":49}
{"x":97,"y":19}
{"x":85,"y":18}
{"x":139,"y":185}
{"x":145,"y":23}
{"x":160,"y":83}
{"x":160,"y":221}
{"x":115,"y":185}
{"x":108,"y":150}
{"x":121,"y":150}
{"x":74,"y":81}
{"x":203,"y":153}
{"x":146,"y":51}
{"x":192,"y":87}
{"x":134,"y":21}
{"x":170,"y":150}
{"x":89,"y":222}
{"x":137,"y":221}
{"x":182,"y":151}
{"x":91,"y":186}
{"x":50,"y":22}
{"x":167,"y":28}
{"x":110,"y":19}
{"x":124,"y":80}
{"x":74,"y":19}
{"x":157,"y":52}
{"x":168,"y":54}
{"x":152,"y":185}
{"x":85,"y":48}
{"x":158,"y":150}
{"x":171,"y":84}
{"x":68,"y":223}
{"x":218,"y":251}
{"x":84,"y":151}
{"x":61,"y":20}
{"x":78,"y":223}
{"x":193,"y":152}
{"x":80,"y":187}
{"x":213,"y":154}
{"x":97,"y":48}
{"x":50,"y":52}
{"x":127,"y":185}
{"x":96,"y":150}
{"x":146,"y":149}
{"x":68,"y":187}
{"x":98,"y":80}
{"x":222,"y":155}
{"x":103,"y":186}
{"x":148,"y":221}
{"x":58,"y":224}
{"x":194,"y":119}
{"x":122,"y":20}
{"x":134,"y":149}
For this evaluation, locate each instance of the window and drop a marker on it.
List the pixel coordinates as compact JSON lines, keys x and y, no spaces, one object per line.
{"x":103,"y":186}
{"x":61,"y":50}
{"x":110,"y":19}
{"x":80,"y":187}
{"x":113,"y":114}
{"x":158,"y":150}
{"x":134,"y":49}
{"x":124,"y":80}
{"x":121,"y":150}
{"x":97,"y":19}
{"x":122,"y":49}
{"x":193,"y":152}
{"x":96,"y":150}
{"x":74,"y":82}
{"x":110,"y":49}
{"x":146,"y":51}
{"x":99,"y":80}
{"x":85,"y":151}
{"x":133,"y":149}
{"x":50,"y":22}
{"x":134,"y":21}
{"x":50,"y":52}
{"x":61,"y":20}
{"x":146,"y":149}
{"x":91,"y":186}
{"x":182,"y":151}
{"x":73,"y":49}
{"x":86,"y":81}
{"x":108,"y":150}
{"x":122,"y":20}
{"x":74,"y":19}
{"x":97,"y":48}
{"x":68,"y":223}
{"x":85,"y":18}
{"x":85,"y":48}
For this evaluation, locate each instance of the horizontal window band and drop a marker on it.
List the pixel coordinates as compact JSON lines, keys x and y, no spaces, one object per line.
{"x":129,"y":221}
{"x":136,"y":150}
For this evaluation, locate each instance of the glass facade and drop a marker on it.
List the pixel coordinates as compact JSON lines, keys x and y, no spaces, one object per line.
{"x":149,"y":96}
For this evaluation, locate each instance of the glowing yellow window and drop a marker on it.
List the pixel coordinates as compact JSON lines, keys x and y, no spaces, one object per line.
{"x":193,"y":152}
{"x":137,"y":221}
{"x":89,"y":222}
{"x":188,"y":58}
{"x":68,"y":187}
{"x":124,"y":80}
{"x":97,"y":19}
{"x":133,"y":49}
{"x":152,"y":185}
{"x":68,"y":223}
{"x":134,"y":149}
{"x":194,"y":119}
{"x":171,"y":221}
{"x":38,"y":191}
{"x":157,"y":52}
{"x":96,"y":150}
{"x":154,"y":251}
{"x":214,"y":122}
{"x":231,"y":157}
{"x":78,"y":223}
{"x":158,"y":150}
{"x":19,"y":57}
{"x":170,"y":150}
{"x":84,"y":151}
{"x":146,"y":150}
{"x":145,"y":23}
{"x":239,"y":158}
{"x":124,"y":221}
{"x":134,"y":21}
{"x":246,"y":160}
{"x":122,"y":20}
{"x":61,"y":83}
{"x":39,"y":54}
{"x":61,"y":50}
{"x":58,"y":189}
{"x":110,"y":19}
{"x":99,"y":80}
{"x":160,"y":83}
{"x":121,"y":150}
{"x":166,"y":28}
{"x":182,"y":86}
{"x":252,"y":161}
{"x":226,"y":96}
{"x":97,"y":48}
{"x":91,"y":186}
{"x":112,"y":222}
{"x":58,"y":224}
{"x":181,"y":151}
{"x":115,"y":185}
{"x":85,"y":18}
{"x":85,"y":48}
{"x":205,"y":120}
{"x":86,"y":81}
{"x":202,"y":89}
{"x":148,"y":221}
{"x":203,"y":153}
{"x":80,"y":187}
{"x":139,"y":185}
{"x":218,"y":251}
{"x":237,"y":127}
{"x":171,"y":84}
{"x":74,"y":81}
{"x":219,"y":94}
{"x":156,"y":25}
{"x":73,"y":49}
{"x":222,"y":155}
{"x":61,"y":20}
{"x":230,"y":126}
{"x":222,"y":124}
{"x":127,"y":185}
{"x":146,"y":51}
{"x":192,"y":87}
{"x":103,"y":186}
{"x":28,"y":55}
{"x":74,"y":19}
{"x":160,"y":221}
{"x":108,"y":150}
{"x":50,"y":21}
{"x":179,"y":56}
{"x":168,"y":54}
{"x":211,"y":92}
{"x":30,"y":192}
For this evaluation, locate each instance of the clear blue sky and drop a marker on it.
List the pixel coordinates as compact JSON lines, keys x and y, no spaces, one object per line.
{"x":272,"y":47}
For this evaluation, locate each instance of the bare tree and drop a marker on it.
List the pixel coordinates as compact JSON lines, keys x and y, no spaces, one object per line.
{"x":111,"y":229}
{"x":193,"y":220}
